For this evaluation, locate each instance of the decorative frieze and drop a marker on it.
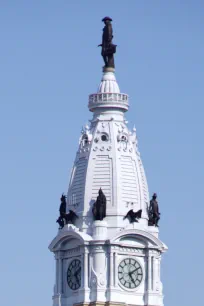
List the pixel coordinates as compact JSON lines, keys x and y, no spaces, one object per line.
{"x":131,"y":250}
{"x":70,"y":252}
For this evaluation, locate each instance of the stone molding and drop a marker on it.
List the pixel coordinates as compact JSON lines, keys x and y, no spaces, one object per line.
{"x":66,"y":234}
{"x":107,"y":304}
{"x":141,"y":233}
{"x":71,"y":252}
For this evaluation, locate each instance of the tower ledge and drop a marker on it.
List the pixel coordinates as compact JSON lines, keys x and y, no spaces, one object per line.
{"x":108,"y":100}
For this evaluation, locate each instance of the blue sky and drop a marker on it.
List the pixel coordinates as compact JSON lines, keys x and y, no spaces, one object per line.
{"x":50,"y":63}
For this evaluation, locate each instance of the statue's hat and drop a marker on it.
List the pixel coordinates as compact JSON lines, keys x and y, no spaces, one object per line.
{"x":154,"y":195}
{"x":106,"y":18}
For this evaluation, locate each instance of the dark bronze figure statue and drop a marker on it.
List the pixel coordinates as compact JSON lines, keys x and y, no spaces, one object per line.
{"x":108,"y":48}
{"x":65,"y":218}
{"x":63,"y":204}
{"x":133,"y":216}
{"x":99,"y":207}
{"x":71,"y":217}
{"x":60,"y":221}
{"x":154,"y":214}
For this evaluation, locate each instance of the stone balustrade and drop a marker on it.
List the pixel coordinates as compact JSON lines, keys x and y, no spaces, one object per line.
{"x":116,"y":100}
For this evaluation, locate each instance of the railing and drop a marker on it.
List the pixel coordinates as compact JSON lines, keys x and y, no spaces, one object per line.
{"x":108,"y":99}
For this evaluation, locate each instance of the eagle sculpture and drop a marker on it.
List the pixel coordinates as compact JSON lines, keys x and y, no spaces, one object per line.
{"x":133,"y":216}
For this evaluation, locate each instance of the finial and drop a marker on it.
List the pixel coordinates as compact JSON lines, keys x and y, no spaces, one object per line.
{"x":108,"y":48}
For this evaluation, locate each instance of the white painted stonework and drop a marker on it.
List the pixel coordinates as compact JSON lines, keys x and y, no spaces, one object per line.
{"x":108,"y":158}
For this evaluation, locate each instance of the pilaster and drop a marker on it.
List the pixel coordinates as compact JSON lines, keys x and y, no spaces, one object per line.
{"x":60,"y":279}
{"x":149,"y":267}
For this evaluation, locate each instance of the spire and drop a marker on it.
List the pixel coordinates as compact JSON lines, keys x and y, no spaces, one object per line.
{"x":110,"y":228}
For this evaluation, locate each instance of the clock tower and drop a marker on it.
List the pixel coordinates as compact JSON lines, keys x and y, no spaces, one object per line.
{"x":107,"y":250}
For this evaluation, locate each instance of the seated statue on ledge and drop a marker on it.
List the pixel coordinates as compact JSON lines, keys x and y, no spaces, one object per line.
{"x":99,"y":207}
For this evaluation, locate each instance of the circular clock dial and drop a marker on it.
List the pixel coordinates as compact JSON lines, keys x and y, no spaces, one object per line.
{"x":74,"y":274}
{"x":130,"y":273}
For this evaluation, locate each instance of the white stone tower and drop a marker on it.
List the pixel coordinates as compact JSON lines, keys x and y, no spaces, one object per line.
{"x":113,"y":261}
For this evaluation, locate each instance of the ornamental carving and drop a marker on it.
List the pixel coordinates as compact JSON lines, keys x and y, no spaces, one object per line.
{"x":102,"y":281}
{"x":97,"y":247}
{"x":131,"y":250}
{"x":93,"y":281}
{"x":155,"y":252}
{"x":85,"y":138}
{"x":71,"y":252}
{"x":97,"y":279}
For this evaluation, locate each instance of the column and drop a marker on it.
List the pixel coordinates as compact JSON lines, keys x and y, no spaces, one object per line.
{"x":154,"y":270}
{"x":116,"y":269}
{"x":85,"y":263}
{"x":56,"y":275}
{"x":60,"y":288}
{"x":159,"y":267}
{"x":149,"y":272}
{"x":159,"y":273}
{"x":111,"y":269}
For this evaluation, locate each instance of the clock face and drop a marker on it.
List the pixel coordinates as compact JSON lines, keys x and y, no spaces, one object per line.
{"x":74,"y":274}
{"x":130,"y":273}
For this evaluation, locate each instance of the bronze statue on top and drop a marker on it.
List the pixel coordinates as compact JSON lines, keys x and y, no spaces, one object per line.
{"x":65,"y":218}
{"x":154,"y":214}
{"x":99,"y":207}
{"x":108,"y":48}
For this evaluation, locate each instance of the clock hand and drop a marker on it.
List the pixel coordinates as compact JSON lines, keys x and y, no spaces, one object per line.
{"x":77,"y":271}
{"x":77,"y":280}
{"x":134,"y":270}
{"x":132,"y":279}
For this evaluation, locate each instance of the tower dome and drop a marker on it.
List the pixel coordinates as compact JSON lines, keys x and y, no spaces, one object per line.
{"x":108,"y":82}
{"x":108,"y":158}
